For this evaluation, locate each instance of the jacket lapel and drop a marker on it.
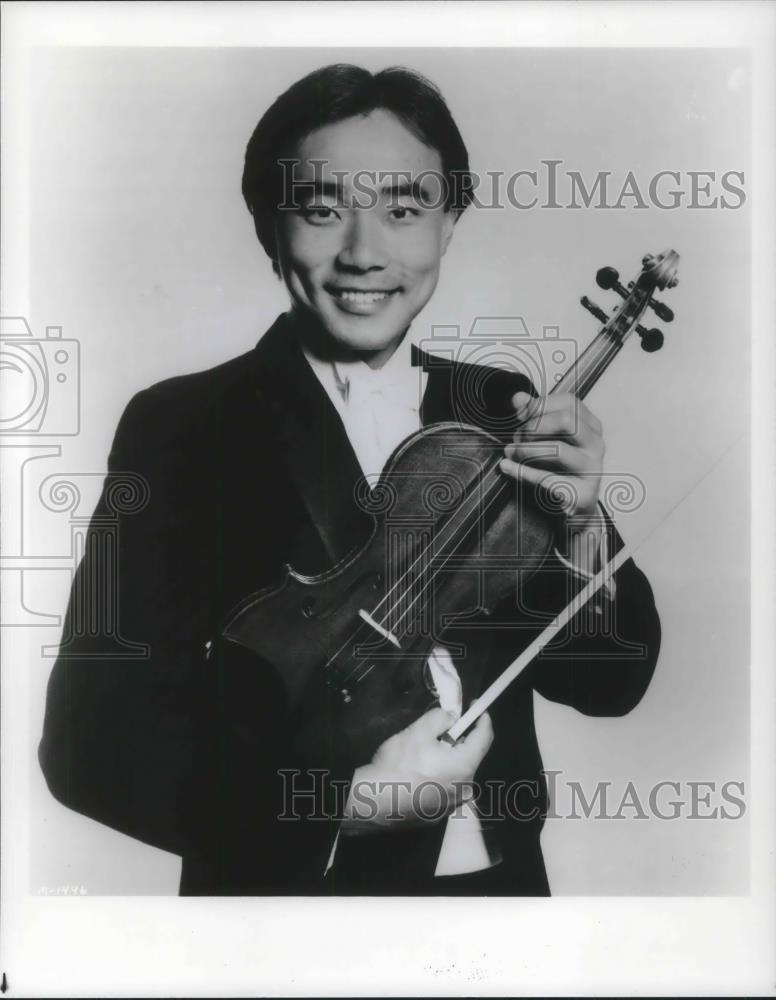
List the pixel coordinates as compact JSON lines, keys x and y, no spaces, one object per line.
{"x":312,"y":442}
{"x":437,"y":405}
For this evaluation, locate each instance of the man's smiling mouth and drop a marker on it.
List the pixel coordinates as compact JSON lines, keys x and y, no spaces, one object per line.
{"x":360,"y":296}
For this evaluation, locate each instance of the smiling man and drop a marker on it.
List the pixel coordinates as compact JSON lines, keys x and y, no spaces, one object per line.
{"x":355,"y":182}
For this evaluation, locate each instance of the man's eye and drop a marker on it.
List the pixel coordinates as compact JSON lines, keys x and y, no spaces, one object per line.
{"x":403,"y":213}
{"x":318,"y":214}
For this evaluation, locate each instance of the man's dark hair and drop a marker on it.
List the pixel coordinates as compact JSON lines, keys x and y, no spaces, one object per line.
{"x":330,"y":95}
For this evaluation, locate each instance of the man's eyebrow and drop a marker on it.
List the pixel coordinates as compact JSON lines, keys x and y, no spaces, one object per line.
{"x":311,"y":188}
{"x":405,"y":188}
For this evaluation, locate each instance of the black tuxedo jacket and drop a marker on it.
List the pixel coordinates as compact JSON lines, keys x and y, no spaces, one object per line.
{"x":248,"y":468}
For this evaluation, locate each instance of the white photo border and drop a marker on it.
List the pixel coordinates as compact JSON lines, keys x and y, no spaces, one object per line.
{"x":240,"y":947}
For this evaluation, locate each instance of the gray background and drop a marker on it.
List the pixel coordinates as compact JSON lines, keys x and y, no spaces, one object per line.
{"x":142,"y":249}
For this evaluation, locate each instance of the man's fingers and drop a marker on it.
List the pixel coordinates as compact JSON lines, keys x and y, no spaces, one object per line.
{"x":434,"y":722}
{"x":537,"y":414}
{"x":480,"y":737}
{"x":437,"y":721}
{"x":543,"y":478}
{"x":558,"y":424}
{"x":477,"y":740}
{"x":560,"y":457}
{"x":469,"y":751}
{"x":525,"y":404}
{"x":434,"y":715}
{"x":562,"y":489}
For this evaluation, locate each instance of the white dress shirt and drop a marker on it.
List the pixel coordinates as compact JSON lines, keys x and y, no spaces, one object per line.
{"x":379,"y":408}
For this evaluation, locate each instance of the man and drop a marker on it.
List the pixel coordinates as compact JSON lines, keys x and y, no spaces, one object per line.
{"x":254,"y":465}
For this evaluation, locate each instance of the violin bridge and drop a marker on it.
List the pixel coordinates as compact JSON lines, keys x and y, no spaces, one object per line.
{"x":379,"y":628}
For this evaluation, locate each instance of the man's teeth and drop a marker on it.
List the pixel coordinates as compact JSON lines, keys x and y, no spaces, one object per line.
{"x":363,"y":296}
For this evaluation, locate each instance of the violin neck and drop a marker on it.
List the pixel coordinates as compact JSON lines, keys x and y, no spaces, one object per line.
{"x":590,"y":365}
{"x":598,"y":355}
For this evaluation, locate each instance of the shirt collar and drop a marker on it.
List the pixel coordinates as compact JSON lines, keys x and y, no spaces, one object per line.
{"x":397,"y":380}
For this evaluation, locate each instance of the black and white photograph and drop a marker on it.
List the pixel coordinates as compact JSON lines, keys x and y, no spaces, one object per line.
{"x":387,"y":454}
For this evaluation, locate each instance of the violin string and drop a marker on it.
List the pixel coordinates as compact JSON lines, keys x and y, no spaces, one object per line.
{"x":450,"y":528}
{"x":412,"y":576}
{"x":595,"y":368}
{"x":438,"y":564}
{"x":584,"y":373}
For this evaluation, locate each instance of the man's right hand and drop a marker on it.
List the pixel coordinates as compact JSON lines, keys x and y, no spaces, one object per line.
{"x":414,"y":778}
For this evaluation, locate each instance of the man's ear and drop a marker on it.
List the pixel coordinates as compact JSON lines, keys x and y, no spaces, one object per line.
{"x":449,"y":220}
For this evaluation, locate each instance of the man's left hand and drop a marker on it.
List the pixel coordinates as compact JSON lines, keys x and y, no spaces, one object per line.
{"x":559,"y":447}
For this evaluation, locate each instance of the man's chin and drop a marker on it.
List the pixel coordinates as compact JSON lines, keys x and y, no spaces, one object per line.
{"x":329,"y":332}
{"x":362,"y":334}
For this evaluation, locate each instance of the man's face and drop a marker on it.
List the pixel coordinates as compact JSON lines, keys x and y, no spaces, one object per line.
{"x":364,"y":260}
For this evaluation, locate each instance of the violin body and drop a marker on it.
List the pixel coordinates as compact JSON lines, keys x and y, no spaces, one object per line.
{"x":351,"y":644}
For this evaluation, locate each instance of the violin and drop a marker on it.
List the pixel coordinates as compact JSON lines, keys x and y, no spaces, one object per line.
{"x":351,"y":644}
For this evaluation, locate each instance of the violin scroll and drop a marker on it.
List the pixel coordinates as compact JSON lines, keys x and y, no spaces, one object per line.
{"x":663,"y":268}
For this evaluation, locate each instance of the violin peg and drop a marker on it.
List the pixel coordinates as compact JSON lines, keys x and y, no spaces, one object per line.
{"x":651,"y":340}
{"x":607,"y":277}
{"x":662,"y":311}
{"x":591,"y":307}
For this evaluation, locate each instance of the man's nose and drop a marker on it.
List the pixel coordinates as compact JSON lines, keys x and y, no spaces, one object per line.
{"x":363,"y":248}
